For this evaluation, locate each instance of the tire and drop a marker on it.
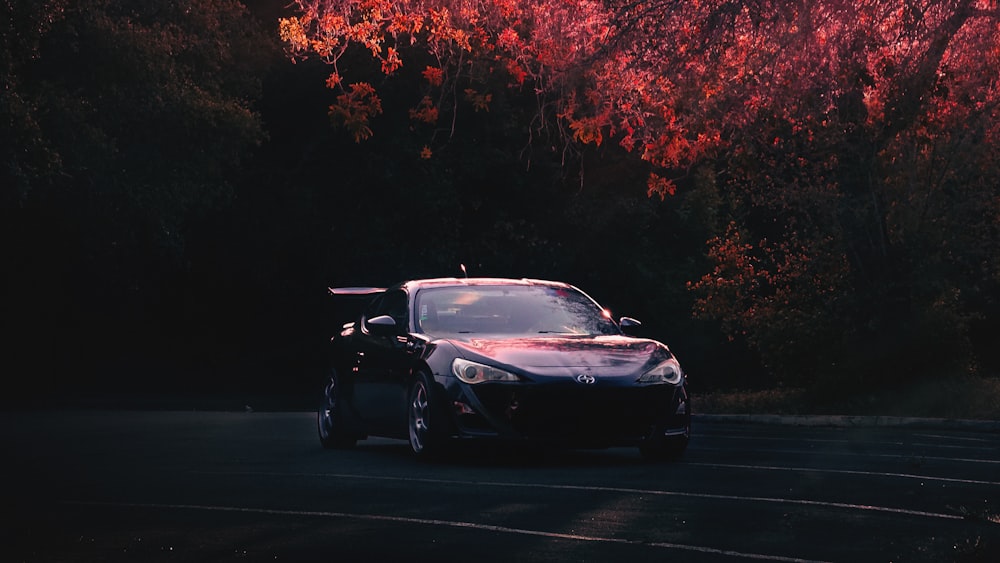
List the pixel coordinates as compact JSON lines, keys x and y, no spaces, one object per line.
{"x":422,"y":420}
{"x":666,"y":448}
{"x":330,"y":417}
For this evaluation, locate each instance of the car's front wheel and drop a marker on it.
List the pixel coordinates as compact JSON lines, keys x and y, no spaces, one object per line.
{"x":669,"y":447}
{"x":422,"y":420}
{"x":330,"y":417}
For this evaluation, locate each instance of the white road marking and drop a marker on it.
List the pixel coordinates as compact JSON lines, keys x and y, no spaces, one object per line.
{"x":652,"y":492}
{"x":846,"y":472}
{"x":953,"y":447}
{"x":965,"y":438}
{"x":764,"y":438}
{"x":451,"y":524}
{"x":859,"y":454}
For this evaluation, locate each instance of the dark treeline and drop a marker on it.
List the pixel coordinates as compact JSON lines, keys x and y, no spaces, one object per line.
{"x":175,"y":203}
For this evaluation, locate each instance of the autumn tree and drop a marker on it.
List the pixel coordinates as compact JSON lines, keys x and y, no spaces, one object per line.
{"x":851,"y":145}
{"x":852,"y":251}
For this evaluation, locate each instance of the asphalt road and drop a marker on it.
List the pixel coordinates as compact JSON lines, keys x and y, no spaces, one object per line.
{"x":217,"y":486}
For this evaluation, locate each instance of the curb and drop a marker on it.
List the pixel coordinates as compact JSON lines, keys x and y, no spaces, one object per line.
{"x":849,"y":421}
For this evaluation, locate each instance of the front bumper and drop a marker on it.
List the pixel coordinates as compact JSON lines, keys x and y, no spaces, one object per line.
{"x":575,"y":415}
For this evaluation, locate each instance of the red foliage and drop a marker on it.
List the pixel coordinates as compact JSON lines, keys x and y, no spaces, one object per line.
{"x":851,"y":133}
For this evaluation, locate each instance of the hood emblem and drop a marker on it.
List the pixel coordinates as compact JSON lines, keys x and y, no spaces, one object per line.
{"x":586,"y":379}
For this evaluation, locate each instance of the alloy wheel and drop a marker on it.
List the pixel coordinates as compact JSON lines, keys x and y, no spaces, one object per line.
{"x":419,"y":411}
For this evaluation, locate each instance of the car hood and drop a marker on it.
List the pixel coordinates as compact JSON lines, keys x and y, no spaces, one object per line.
{"x":567,"y":355}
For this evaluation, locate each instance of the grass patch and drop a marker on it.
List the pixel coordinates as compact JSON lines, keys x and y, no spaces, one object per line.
{"x":974,"y":398}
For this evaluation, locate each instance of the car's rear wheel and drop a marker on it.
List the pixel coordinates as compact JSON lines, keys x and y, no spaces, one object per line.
{"x":422,"y":420}
{"x":330,"y":417}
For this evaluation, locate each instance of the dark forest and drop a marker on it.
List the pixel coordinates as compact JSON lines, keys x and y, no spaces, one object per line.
{"x":803,"y":203}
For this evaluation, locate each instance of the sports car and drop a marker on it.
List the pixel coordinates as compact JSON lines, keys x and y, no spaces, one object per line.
{"x":439,"y":361}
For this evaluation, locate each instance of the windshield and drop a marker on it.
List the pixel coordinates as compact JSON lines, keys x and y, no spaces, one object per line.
{"x":512,"y":311}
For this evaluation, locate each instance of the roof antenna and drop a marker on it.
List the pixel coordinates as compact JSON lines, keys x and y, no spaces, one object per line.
{"x":464,"y":271}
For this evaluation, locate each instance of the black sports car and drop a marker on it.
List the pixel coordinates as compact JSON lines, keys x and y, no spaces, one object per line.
{"x":535,"y":361}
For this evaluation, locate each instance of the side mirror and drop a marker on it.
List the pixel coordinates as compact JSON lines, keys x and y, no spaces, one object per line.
{"x":382,"y":325}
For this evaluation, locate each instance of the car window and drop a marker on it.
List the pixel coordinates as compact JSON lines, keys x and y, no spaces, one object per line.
{"x":510,"y":310}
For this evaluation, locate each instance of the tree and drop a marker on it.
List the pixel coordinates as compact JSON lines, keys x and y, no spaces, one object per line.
{"x":876,"y":176}
{"x":128,"y":122}
{"x":853,"y":144}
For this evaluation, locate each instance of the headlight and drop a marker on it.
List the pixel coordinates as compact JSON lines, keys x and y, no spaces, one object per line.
{"x":472,"y":373}
{"x":664,"y":372}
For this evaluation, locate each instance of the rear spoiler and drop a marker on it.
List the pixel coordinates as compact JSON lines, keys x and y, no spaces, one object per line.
{"x":355,"y":291}
{"x":346,"y":305}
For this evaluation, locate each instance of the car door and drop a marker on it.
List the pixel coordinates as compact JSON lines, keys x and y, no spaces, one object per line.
{"x":379,"y":391}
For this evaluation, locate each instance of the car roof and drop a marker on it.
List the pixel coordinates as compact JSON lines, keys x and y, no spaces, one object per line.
{"x":414,"y":285}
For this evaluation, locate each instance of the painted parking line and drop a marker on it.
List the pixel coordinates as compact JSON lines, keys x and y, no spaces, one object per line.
{"x":827,"y":453}
{"x":844,"y":472}
{"x":453,"y":524}
{"x":604,"y":489}
{"x":962,"y":438}
{"x":876,"y":444}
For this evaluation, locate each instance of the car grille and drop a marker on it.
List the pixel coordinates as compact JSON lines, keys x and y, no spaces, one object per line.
{"x":576,"y":413}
